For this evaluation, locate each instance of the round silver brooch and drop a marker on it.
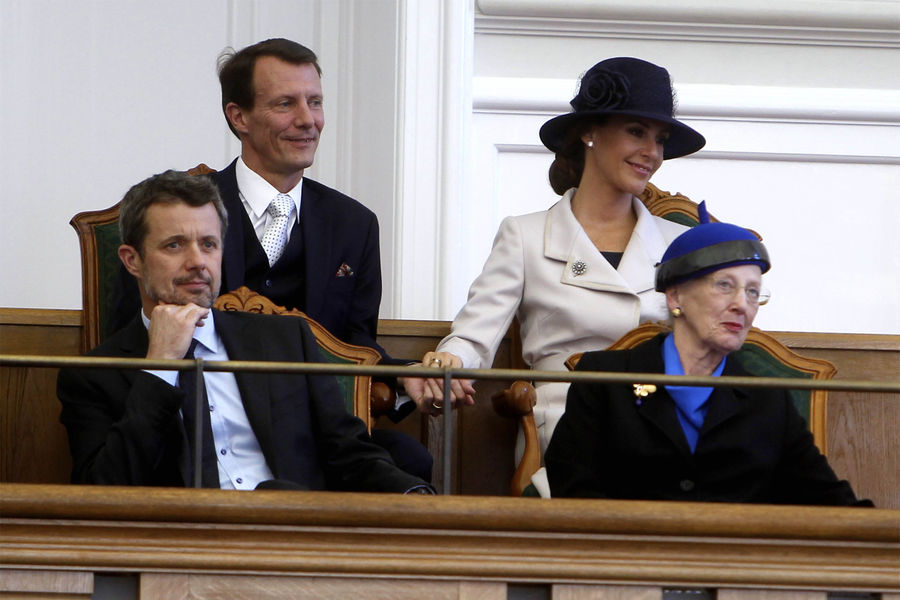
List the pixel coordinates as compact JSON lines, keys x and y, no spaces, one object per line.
{"x":579,"y":267}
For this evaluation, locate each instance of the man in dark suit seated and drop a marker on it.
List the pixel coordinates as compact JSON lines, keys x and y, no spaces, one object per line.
{"x":299,"y":243}
{"x":131,"y":427}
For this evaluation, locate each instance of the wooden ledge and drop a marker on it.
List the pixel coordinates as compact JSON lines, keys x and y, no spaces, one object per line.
{"x":439,"y":512}
{"x":447,"y":537}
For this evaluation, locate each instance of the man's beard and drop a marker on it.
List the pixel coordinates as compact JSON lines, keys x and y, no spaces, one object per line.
{"x":204,"y":299}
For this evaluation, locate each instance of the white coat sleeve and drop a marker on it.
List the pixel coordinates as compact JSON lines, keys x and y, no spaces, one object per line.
{"x":494,"y":298}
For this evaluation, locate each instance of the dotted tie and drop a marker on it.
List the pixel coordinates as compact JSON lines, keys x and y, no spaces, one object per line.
{"x":275,"y":236}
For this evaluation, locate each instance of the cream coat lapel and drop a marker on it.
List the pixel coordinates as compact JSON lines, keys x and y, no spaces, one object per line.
{"x":566,"y":241}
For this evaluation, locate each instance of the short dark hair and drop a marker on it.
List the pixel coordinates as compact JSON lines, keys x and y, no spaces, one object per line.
{"x":168,"y":187}
{"x":236,"y":69}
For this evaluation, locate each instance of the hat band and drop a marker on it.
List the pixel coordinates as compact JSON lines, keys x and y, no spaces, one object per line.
{"x":721,"y":254}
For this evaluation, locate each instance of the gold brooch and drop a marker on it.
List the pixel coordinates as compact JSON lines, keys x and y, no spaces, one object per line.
{"x":642,"y":390}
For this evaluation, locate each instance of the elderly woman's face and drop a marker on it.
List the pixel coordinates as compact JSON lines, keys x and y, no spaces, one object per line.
{"x":717,"y":308}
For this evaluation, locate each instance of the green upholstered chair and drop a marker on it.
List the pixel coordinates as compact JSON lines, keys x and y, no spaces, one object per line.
{"x":98,"y":236}
{"x":761,"y":355}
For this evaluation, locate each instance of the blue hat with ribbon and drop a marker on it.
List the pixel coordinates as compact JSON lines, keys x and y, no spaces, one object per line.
{"x":706,"y":248}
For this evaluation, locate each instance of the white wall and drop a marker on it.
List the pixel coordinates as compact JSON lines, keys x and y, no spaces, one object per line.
{"x":96,"y":95}
{"x":432,"y":112}
{"x":800,"y":104}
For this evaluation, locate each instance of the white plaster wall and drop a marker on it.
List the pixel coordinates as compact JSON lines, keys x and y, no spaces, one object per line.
{"x":800,"y":104}
{"x":432,"y":112}
{"x":96,"y":95}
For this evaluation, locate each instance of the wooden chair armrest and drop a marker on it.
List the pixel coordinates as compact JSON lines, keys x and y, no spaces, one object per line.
{"x":518,"y":402}
{"x":382,"y":399}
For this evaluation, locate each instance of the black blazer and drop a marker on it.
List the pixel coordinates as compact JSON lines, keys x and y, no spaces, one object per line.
{"x":753,"y":447}
{"x":336,"y":230}
{"x":124,"y":425}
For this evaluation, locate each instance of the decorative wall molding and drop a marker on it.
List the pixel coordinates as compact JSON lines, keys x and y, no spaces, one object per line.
{"x":866,"y":23}
{"x":812,"y":105}
{"x":435,"y":107}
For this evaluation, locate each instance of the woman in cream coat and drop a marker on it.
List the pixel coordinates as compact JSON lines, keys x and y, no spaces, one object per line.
{"x":581,"y":274}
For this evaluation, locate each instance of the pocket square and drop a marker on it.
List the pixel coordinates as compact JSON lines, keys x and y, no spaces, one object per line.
{"x":344,"y":270}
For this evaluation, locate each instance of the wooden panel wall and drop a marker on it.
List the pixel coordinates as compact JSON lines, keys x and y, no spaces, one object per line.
{"x":33,"y":444}
{"x":327,"y":544}
{"x":863,"y":444}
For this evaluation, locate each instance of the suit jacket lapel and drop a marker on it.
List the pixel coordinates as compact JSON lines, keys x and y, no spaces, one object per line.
{"x":644,"y":248}
{"x":134,"y":340}
{"x":658,"y":407}
{"x":318,"y":240}
{"x":133,"y":344}
{"x":244,"y":343}
{"x":725,"y":402}
{"x":233,"y":262}
{"x":566,"y":241}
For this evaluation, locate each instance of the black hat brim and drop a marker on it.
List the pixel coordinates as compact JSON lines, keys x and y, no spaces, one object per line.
{"x":682,"y":139}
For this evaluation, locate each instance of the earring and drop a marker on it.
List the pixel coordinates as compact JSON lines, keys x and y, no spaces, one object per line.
{"x":677,"y":312}
{"x":590,"y":144}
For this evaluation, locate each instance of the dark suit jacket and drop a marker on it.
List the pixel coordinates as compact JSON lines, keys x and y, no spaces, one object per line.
{"x":753,"y":446}
{"x":336,"y":230}
{"x":124,"y":425}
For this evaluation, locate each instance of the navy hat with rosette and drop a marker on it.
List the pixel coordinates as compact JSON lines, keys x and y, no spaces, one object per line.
{"x":625,"y":86}
{"x":706,"y":248}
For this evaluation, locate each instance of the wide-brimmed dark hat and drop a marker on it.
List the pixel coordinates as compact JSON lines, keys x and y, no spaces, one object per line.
{"x":625,"y":86}
{"x":706,"y":248}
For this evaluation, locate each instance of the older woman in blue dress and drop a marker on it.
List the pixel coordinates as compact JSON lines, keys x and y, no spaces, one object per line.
{"x":580,"y":274}
{"x":728,"y":444}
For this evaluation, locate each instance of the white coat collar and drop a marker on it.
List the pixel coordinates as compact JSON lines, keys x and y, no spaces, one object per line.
{"x":565,"y":240}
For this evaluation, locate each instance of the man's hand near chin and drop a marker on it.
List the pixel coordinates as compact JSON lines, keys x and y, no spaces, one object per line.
{"x":172,"y":329}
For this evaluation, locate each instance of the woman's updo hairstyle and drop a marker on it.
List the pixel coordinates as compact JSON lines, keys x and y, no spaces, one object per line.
{"x":567,"y":167}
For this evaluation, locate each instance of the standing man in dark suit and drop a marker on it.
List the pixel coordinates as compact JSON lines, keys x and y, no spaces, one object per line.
{"x":325,"y":260}
{"x":330,"y":267}
{"x":128,"y":427}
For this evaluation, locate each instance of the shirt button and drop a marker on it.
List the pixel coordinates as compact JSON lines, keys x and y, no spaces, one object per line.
{"x":223,"y":451}
{"x":239,"y":480}
{"x":686,"y":485}
{"x":212,"y":407}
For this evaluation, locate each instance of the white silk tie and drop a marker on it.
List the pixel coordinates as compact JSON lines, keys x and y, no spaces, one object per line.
{"x":275,"y":236}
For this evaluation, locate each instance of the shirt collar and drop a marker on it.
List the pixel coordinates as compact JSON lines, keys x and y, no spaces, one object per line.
{"x":257,"y":193}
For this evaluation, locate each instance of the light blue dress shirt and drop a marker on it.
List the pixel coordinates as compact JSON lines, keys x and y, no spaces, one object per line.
{"x":241,"y":463}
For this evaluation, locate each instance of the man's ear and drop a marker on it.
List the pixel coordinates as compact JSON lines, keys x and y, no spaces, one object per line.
{"x":235,"y":115}
{"x":131,"y":259}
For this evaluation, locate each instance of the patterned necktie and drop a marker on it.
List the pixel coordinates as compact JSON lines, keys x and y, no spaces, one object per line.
{"x":275,"y":236}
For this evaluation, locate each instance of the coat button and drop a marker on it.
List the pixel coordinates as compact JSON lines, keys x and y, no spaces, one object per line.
{"x":686,"y":485}
{"x":268,"y":283}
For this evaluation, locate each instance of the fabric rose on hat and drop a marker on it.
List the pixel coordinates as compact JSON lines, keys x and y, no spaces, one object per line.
{"x":601,"y":89}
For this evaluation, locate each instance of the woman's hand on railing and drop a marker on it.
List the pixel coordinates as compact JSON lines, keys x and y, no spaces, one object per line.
{"x":428,"y":393}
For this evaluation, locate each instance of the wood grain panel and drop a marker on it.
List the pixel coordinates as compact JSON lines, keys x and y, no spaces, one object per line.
{"x":37,"y":584}
{"x":230,"y":587}
{"x":421,"y":539}
{"x":605,"y":592}
{"x":482,"y":461}
{"x":728,"y":594}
